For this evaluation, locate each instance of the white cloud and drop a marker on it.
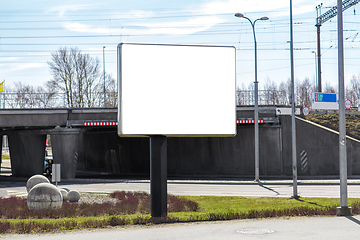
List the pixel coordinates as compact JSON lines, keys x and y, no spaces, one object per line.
{"x":23,"y":66}
{"x":275,"y":8}
{"x":79,"y":27}
{"x":61,"y":10}
{"x":190,"y":26}
{"x":134,"y":14}
{"x":8,"y":59}
{"x":149,"y":25}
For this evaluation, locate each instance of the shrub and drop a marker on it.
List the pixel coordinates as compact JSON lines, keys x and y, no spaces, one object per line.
{"x":129,"y":203}
{"x":4,"y":227}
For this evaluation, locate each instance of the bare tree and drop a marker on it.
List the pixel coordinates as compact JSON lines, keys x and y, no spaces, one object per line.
{"x":26,"y":96}
{"x":240,"y":95}
{"x":352,"y":91}
{"x":77,"y":74}
{"x":329,"y":88}
{"x":304,"y":91}
{"x":285,"y":89}
{"x":111,"y":91}
{"x":272,"y":94}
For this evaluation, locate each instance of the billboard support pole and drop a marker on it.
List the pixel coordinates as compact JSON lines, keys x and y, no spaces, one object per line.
{"x":158,"y":176}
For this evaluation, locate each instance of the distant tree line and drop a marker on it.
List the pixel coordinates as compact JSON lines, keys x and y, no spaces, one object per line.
{"x":280,"y":94}
{"x":77,"y":82}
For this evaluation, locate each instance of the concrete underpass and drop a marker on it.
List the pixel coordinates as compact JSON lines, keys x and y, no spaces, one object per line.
{"x":85,"y":150}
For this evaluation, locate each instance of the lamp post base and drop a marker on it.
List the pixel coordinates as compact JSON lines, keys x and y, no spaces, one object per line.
{"x":343,"y":211}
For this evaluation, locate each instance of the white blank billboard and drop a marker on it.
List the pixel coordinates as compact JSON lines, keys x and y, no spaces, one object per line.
{"x":176,"y":90}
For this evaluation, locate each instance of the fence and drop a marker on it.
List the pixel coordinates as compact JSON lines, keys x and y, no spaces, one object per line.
{"x":13,"y":100}
{"x":32,"y":100}
{"x":265,"y":97}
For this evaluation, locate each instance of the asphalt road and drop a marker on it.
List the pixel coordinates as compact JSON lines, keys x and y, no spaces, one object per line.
{"x":279,"y":228}
{"x":274,"y":188}
{"x":205,"y":188}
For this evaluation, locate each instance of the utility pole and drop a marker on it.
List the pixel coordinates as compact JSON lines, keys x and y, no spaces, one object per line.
{"x":322,"y":19}
{"x":318,"y":25}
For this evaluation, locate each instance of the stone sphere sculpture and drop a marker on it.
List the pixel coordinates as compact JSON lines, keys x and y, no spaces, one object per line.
{"x":73,"y":196}
{"x":34,"y":180}
{"x":44,"y":196}
{"x":64,"y":194}
{"x":66,"y":189}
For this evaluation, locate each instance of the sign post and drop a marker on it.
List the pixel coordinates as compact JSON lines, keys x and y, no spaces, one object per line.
{"x":56,"y":173}
{"x":158,"y":176}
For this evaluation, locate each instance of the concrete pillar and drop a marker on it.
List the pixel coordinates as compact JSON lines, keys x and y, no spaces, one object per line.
{"x":27,"y":152}
{"x":65,"y":149}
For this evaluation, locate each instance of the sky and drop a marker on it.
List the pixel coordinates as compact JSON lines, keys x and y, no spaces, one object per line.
{"x":30,"y":31}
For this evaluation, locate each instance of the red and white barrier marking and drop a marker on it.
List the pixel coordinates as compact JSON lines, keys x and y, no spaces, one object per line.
{"x":100,"y":124}
{"x":89,"y":124}
{"x":248,"y":121}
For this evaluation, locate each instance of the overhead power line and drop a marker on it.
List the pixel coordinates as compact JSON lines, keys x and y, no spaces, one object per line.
{"x":346,"y":4}
{"x":333,"y":11}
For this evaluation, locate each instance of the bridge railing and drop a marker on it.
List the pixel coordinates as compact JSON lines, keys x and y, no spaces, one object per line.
{"x":32,"y":100}
{"x":266,"y":97}
{"x":58,"y":100}
{"x":13,"y":100}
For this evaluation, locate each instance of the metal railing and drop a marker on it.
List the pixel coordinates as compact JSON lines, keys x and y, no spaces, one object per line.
{"x":266,"y":97}
{"x":13,"y":100}
{"x":32,"y":100}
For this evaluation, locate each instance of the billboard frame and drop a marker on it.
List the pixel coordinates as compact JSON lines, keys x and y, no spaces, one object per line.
{"x":200,"y":125}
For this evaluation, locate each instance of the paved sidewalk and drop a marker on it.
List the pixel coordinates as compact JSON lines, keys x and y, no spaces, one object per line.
{"x":297,"y":228}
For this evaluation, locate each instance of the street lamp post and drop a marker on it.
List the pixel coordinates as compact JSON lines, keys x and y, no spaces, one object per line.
{"x":256,"y":112}
{"x":293,"y":127}
{"x":344,"y":209}
{"x":104,"y":76}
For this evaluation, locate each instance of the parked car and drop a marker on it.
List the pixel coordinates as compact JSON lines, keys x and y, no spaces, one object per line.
{"x":48,"y":167}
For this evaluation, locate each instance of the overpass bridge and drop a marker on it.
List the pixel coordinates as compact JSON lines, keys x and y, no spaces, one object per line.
{"x":86,"y":141}
{"x":27,"y":130}
{"x":50,"y":118}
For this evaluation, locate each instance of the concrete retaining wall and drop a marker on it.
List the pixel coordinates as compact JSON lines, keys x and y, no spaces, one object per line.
{"x":322,"y":147}
{"x":96,"y":150}
{"x":223,"y":157}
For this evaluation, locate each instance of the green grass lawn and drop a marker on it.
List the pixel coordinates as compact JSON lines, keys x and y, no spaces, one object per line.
{"x":211,"y":208}
{"x":229,"y":204}
{"x":227,"y":208}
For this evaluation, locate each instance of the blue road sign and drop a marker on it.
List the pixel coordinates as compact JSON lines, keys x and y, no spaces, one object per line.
{"x":325,"y":97}
{"x":328,"y":101}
